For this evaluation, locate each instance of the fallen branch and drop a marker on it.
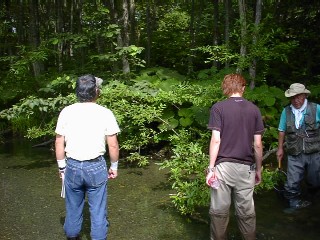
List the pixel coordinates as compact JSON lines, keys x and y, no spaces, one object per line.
{"x":44,"y":144}
{"x":5,"y":131}
{"x":268,"y":153}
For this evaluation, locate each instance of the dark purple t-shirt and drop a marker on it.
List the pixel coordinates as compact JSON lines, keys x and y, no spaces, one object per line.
{"x":237,"y":120}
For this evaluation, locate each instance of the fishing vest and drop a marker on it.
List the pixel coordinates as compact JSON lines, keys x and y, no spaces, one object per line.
{"x":306,"y":139}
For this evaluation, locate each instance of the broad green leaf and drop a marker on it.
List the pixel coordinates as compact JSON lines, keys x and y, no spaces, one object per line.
{"x":269,"y":101}
{"x":185,"y":112}
{"x":185,"y":121}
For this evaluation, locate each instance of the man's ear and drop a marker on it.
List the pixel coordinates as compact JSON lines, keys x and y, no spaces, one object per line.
{"x":97,"y":92}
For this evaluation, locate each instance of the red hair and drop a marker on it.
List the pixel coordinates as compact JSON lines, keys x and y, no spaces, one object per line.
{"x":233,"y":83}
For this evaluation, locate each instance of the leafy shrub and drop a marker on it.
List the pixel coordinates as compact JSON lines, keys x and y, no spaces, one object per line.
{"x":158,"y":107}
{"x":187,"y":165}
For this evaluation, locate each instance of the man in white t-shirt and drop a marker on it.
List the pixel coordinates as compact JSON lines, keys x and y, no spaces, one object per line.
{"x":83,"y":129}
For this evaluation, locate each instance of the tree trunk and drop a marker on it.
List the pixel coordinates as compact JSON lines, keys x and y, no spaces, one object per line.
{"x":252,"y":70}
{"x":34,"y":36}
{"x":192,"y":39}
{"x":114,"y":20}
{"x":133,"y":24}
{"x":126,"y":39}
{"x":149,"y":37}
{"x":243,"y":26}
{"x":76,"y":27}
{"x":59,"y":29}
{"x":123,"y":37}
{"x":7,"y":29}
{"x":215,"y":26}
{"x":227,"y":7}
{"x":21,"y":31}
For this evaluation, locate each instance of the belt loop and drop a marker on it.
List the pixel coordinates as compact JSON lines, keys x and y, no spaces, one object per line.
{"x":253,"y":167}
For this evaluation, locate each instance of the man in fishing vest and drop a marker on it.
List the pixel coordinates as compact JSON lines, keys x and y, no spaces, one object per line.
{"x":299,"y":129}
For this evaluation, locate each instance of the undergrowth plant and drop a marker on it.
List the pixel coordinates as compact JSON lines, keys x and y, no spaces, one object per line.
{"x":159,"y":108}
{"x":187,"y":169}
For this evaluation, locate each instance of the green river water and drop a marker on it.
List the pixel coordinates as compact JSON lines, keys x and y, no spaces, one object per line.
{"x":139,"y":205}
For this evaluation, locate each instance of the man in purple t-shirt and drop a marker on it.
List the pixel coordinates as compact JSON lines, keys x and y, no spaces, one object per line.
{"x":235,"y":159}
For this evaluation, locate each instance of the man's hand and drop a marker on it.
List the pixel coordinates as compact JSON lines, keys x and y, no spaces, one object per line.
{"x":258,"y":177}
{"x":279,"y":156}
{"x":62,"y":167}
{"x":62,"y":172}
{"x":210,"y":175}
{"x":280,"y":151}
{"x":112,"y":173}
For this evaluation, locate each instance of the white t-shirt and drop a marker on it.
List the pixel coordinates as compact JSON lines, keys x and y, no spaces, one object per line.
{"x":85,"y":127}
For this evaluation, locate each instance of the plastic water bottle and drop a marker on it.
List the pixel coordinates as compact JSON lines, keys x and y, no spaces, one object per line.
{"x":215,"y":183}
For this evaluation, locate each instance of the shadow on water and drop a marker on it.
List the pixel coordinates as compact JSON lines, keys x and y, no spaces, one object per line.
{"x":139,"y":206}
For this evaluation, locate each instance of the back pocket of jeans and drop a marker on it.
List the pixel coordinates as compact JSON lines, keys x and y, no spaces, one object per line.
{"x":98,"y":175}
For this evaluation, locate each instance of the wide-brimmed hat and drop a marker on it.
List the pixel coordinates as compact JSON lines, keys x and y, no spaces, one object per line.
{"x":295,"y":89}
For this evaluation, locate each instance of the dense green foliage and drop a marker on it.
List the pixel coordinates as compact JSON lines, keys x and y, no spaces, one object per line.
{"x":157,"y":60}
{"x":157,"y":108}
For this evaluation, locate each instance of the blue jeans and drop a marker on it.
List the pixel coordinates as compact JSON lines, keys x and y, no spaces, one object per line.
{"x":81,"y":178}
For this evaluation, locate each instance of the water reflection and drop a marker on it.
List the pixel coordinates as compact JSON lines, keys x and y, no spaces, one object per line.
{"x":139,"y":206}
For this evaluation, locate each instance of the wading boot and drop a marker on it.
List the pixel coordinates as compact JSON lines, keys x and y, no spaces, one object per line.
{"x":298,"y":203}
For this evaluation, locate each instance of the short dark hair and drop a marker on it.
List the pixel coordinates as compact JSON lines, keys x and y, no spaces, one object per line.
{"x":86,"y":88}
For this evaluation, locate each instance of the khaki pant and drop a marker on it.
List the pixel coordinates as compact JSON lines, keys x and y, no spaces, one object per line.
{"x":237,"y":180}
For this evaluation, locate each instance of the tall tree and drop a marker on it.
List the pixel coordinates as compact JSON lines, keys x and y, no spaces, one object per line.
{"x":114,"y":20}
{"x":227,"y":7}
{"x":215,"y":26}
{"x":252,"y":69}
{"x":192,"y":37}
{"x":132,"y":17}
{"x":120,"y":16}
{"x":243,"y":27}
{"x":149,"y":33}
{"x":34,"y":35}
{"x":59,"y":30}
{"x":125,"y":35}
